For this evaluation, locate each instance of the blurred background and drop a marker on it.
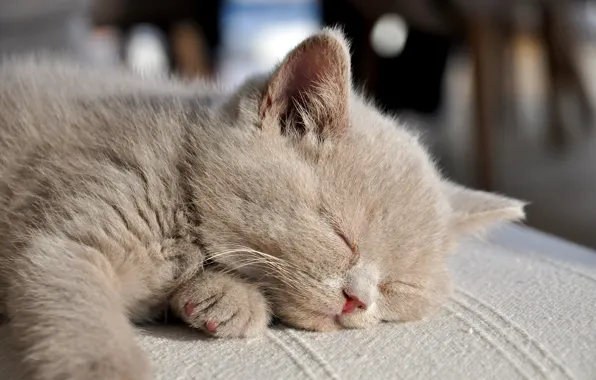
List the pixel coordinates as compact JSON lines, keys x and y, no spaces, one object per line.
{"x":502,"y":89}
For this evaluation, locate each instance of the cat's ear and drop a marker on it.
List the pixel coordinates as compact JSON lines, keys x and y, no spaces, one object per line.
{"x":474,"y":210}
{"x":309,"y":91}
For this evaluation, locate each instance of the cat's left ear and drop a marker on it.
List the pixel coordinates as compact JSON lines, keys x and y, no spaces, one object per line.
{"x":474,"y":210}
{"x":309,"y":91}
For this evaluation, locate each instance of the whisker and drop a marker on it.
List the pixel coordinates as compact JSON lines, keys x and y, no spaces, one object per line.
{"x":283,"y":271}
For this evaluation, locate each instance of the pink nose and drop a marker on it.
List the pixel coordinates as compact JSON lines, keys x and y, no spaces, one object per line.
{"x":352,"y":303}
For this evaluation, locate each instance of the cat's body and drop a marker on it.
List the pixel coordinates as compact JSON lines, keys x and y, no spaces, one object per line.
{"x":120,"y":197}
{"x":76,"y":169}
{"x":94,"y":161}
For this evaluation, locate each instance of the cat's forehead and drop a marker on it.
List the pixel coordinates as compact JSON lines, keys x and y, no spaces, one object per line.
{"x":377,"y":145}
{"x":380,"y":171}
{"x":367,"y":121}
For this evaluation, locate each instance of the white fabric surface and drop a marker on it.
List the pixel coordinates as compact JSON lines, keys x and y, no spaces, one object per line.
{"x":524,"y":308}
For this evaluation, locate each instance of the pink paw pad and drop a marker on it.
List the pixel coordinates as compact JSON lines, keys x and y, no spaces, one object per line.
{"x":211,"y":326}
{"x":189,"y":308}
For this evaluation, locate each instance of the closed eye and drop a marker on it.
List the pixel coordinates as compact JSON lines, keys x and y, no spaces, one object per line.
{"x":353,"y":247}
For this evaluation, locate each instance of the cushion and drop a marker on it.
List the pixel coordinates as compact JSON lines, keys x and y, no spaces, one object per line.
{"x":524,"y":307}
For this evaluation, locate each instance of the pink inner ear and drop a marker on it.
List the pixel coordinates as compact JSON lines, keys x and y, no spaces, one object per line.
{"x":301,"y":75}
{"x":316,"y":77}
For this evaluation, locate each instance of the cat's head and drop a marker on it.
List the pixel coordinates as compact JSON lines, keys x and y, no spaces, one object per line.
{"x":333,"y":207}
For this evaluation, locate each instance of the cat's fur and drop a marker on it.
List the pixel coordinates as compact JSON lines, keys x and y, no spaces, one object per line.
{"x":120,"y":197}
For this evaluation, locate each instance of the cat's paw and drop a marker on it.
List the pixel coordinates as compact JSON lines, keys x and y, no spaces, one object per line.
{"x":222,"y":305}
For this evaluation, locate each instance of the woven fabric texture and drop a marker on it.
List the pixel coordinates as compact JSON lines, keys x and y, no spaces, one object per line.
{"x":524,"y":307}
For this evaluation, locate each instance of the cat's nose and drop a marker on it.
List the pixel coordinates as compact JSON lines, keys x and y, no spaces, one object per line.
{"x":352,"y":303}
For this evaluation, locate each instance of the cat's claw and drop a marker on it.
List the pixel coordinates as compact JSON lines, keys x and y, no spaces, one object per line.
{"x":211,"y":326}
{"x":222,"y":306}
{"x":189,"y":308}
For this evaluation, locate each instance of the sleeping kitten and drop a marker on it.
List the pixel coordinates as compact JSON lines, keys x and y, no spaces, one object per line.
{"x":291,"y":197}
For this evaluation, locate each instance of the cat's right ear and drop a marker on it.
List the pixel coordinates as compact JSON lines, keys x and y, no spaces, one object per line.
{"x":309,"y":91}
{"x":474,"y":210}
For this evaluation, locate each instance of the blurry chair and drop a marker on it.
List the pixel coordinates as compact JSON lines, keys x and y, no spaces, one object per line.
{"x":32,"y":25}
{"x":488,"y":27}
{"x":191,"y":28}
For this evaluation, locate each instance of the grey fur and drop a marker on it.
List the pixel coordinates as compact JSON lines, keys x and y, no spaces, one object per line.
{"x":121,"y":197}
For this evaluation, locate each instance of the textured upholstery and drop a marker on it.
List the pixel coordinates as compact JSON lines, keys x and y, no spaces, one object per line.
{"x":524,"y":308}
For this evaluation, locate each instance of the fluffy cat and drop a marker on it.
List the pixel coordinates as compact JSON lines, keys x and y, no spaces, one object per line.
{"x":292,"y":196}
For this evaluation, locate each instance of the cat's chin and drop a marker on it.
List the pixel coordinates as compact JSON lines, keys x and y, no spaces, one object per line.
{"x":328,"y":323}
{"x":313,"y":322}
{"x":322,"y":324}
{"x":357,"y":321}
